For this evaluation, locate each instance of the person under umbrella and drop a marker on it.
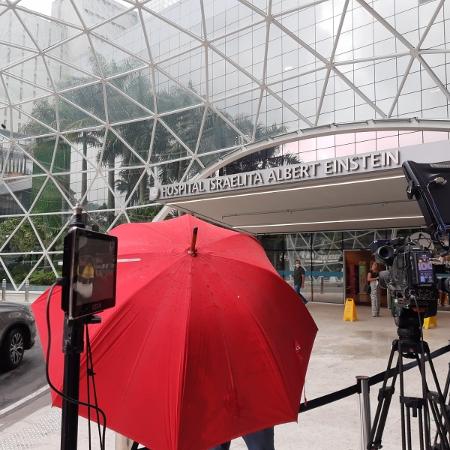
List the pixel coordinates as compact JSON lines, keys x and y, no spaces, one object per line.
{"x":259,"y":440}
{"x":206,"y":342}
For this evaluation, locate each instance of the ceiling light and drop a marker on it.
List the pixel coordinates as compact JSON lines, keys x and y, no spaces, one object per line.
{"x":300,"y":188}
{"x":324,"y":222}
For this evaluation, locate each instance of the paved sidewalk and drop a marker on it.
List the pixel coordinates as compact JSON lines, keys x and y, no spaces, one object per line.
{"x":342,"y":351}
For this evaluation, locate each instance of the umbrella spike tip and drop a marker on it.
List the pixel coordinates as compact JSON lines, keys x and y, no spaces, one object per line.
{"x":192,"y":250}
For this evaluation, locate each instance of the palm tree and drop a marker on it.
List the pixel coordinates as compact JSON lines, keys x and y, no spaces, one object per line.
{"x":136,"y":134}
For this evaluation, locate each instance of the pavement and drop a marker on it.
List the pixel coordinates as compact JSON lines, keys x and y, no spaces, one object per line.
{"x":342,"y":351}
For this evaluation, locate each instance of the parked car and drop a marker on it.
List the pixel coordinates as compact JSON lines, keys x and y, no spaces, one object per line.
{"x":17,"y":333}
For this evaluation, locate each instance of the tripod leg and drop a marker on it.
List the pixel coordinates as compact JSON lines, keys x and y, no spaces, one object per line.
{"x":421,"y":429}
{"x":408,"y":428}
{"x":437,"y":404}
{"x":384,"y":400}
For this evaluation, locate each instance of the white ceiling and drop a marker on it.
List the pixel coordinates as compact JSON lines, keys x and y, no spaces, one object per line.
{"x":350,"y":202}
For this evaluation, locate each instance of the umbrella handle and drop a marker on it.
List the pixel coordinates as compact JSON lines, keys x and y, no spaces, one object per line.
{"x":192,"y":251}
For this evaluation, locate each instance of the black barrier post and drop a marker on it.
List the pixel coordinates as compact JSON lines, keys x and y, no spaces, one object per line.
{"x":72,"y":347}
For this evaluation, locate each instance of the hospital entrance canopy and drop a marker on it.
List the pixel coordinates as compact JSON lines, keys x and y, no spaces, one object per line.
{"x":347,"y":193}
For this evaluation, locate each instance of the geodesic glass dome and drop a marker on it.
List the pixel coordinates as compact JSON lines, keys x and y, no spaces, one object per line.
{"x":101,"y":100}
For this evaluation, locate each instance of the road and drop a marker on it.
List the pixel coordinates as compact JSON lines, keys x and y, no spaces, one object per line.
{"x":25,"y":380}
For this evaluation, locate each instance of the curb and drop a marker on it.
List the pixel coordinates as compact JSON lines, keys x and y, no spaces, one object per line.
{"x":11,"y":408}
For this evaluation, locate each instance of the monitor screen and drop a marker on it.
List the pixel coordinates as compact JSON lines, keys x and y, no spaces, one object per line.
{"x":92,"y":265}
{"x":425,"y":268}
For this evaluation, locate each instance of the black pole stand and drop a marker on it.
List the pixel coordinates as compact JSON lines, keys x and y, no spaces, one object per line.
{"x":73,"y":344}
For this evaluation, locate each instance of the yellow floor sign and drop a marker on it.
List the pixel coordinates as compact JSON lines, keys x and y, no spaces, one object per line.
{"x":430,"y":322}
{"x":350,"y":310}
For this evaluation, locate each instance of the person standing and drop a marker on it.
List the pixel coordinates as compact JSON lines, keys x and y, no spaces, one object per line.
{"x":299,"y":277}
{"x":372,"y":280}
{"x":260,"y":440}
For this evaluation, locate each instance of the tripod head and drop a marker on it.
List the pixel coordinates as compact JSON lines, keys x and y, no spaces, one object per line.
{"x":409,"y":324}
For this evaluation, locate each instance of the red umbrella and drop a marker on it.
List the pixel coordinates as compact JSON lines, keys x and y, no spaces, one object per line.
{"x":200,"y":348}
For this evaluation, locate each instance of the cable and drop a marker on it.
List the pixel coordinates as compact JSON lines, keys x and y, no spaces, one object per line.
{"x":47,"y":371}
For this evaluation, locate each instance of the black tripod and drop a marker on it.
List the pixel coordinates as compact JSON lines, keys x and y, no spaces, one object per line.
{"x":409,"y":345}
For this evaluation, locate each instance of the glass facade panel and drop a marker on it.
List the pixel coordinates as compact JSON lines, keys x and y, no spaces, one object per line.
{"x":323,"y":258}
{"x":103,"y":100}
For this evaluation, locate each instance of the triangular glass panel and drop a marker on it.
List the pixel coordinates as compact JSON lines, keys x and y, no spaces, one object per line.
{"x":85,"y":110}
{"x":99,"y":196}
{"x":436,"y":63}
{"x":121,"y":108}
{"x":145,"y":214}
{"x":58,"y":244}
{"x":237,"y":81}
{"x":57,"y":258}
{"x":128,"y":157}
{"x":40,"y":121}
{"x":243,"y":106}
{"x":9,"y":17}
{"x":20,"y":89}
{"x":186,"y":125}
{"x":119,"y":17}
{"x":133,"y":182}
{"x":28,"y":236}
{"x":212,"y":158}
{"x":276,"y":118}
{"x":17,"y":266}
{"x":186,"y":16}
{"x":3,"y":98}
{"x":66,"y":75}
{"x":14,"y":54}
{"x":13,"y":194}
{"x":138,"y":86}
{"x":40,"y":275}
{"x":117,"y":219}
{"x":76,"y":52}
{"x":44,"y":157}
{"x":435,"y":35}
{"x":109,"y":154}
{"x":173,"y":172}
{"x":8,"y":227}
{"x":136,"y":135}
{"x":217,"y":134}
{"x":99,"y":218}
{"x":48,"y":226}
{"x":191,"y":171}
{"x":165,"y":146}
{"x":15,"y":161}
{"x":6,"y":275}
{"x":47,"y":195}
{"x":196,"y":81}
{"x":227,"y":17}
{"x":175,"y":41}
{"x":403,"y":21}
{"x":310,"y":94}
{"x":287,"y":58}
{"x":103,"y":192}
{"x":251,"y":45}
{"x":171,"y":96}
{"x":113,"y":59}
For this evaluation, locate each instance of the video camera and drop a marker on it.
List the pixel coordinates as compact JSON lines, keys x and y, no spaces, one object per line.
{"x":410,"y":277}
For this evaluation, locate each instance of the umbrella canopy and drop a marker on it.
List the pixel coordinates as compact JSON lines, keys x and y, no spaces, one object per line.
{"x":200,"y":348}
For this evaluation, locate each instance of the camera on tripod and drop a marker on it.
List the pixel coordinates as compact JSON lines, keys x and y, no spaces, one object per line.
{"x":410,"y":277}
{"x":413,"y":286}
